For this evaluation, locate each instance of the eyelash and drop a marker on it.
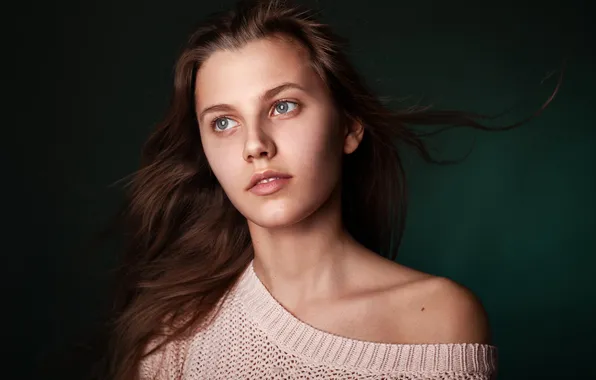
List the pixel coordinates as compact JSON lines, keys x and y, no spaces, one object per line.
{"x":212,"y":123}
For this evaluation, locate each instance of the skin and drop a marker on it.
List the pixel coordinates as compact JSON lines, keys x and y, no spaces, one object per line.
{"x":303,"y":255}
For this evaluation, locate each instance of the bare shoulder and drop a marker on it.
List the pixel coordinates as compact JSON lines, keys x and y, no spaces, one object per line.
{"x":422,"y":308}
{"x":449,"y":312}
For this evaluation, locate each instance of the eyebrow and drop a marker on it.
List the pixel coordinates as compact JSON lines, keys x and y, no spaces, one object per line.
{"x":266,"y":96}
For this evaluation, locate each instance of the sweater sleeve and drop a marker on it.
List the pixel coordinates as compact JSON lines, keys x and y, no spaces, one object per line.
{"x":166,"y":363}
{"x":152,"y":365}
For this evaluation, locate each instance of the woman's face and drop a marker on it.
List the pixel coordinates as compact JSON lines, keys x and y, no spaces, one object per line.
{"x":263,"y":108}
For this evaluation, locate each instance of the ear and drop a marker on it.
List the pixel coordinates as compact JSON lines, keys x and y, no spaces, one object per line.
{"x":353,"y":136}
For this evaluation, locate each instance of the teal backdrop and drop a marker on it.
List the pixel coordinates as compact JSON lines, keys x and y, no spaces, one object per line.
{"x":515,"y":221}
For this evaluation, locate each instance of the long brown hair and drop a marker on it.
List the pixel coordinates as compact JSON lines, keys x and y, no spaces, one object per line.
{"x":187,"y":244}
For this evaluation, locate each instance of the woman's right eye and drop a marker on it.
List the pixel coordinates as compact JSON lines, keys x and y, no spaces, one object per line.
{"x":223,"y":123}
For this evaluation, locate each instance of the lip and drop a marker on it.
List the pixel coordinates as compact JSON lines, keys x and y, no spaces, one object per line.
{"x":265,"y":175}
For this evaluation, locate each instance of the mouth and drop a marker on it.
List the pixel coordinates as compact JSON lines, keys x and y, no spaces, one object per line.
{"x":267,"y":182}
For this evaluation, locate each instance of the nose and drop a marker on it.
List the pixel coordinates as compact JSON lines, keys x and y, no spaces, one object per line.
{"x":258,"y":144}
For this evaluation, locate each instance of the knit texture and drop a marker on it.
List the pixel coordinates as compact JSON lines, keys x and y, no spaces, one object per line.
{"x":254,"y":337}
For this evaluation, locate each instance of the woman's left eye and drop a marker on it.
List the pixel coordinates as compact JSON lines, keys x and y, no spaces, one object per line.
{"x":284,"y":107}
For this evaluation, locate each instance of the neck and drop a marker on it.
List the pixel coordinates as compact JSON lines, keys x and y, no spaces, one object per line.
{"x":304,"y":262}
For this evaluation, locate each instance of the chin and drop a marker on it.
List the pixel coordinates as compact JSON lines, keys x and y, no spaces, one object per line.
{"x":275,"y":218}
{"x":278,"y":215}
{"x":284,"y":209}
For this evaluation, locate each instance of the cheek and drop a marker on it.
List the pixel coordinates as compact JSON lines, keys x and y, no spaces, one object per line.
{"x":316,"y":146}
{"x":225,"y":162}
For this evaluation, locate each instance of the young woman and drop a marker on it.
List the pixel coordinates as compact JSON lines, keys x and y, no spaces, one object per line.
{"x":262,"y":222}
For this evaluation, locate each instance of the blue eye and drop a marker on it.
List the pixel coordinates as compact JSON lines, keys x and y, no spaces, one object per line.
{"x":223,"y":123}
{"x":284,"y":107}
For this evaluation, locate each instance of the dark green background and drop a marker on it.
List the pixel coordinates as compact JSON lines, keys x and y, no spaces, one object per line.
{"x":515,"y":222}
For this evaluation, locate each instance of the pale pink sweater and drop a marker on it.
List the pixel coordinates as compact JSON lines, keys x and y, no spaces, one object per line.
{"x":254,"y":337}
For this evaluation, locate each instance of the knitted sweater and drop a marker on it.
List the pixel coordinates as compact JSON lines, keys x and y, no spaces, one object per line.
{"x":254,"y":337}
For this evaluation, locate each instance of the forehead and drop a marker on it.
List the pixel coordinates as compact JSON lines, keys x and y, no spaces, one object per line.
{"x":229,"y":75}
